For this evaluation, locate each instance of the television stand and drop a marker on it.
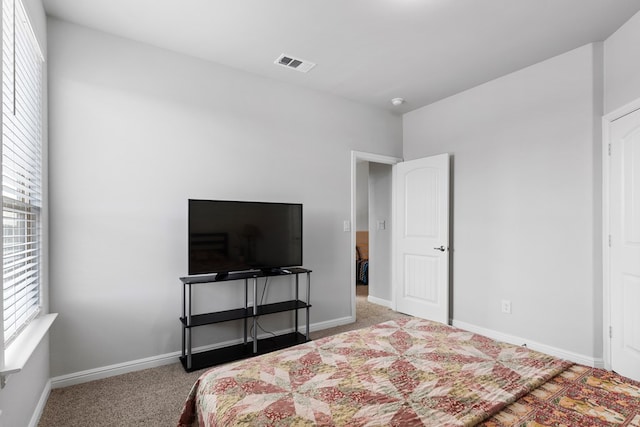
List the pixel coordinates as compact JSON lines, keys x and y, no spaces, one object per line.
{"x":251,"y":345}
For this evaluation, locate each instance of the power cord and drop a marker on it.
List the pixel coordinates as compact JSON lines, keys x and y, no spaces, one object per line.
{"x":264,"y":289}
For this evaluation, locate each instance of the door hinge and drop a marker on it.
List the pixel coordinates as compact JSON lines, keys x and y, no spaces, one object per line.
{"x":609,"y":240}
{"x":609,"y":149}
{"x":610,"y":332}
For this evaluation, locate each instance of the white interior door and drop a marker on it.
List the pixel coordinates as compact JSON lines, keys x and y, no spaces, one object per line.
{"x":421,"y":237}
{"x":624,"y":217}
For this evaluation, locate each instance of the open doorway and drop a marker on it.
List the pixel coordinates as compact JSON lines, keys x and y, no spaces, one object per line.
{"x":362,"y":229}
{"x":371,"y":233}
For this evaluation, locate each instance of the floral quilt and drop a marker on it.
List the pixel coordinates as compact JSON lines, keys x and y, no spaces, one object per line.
{"x":405,"y":372}
{"x":580,"y":396}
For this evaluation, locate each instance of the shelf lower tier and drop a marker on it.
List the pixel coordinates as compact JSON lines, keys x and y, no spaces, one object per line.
{"x":243,"y":313}
{"x":219,"y":356}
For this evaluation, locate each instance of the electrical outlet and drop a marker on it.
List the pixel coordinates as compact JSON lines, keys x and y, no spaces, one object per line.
{"x":506,"y":306}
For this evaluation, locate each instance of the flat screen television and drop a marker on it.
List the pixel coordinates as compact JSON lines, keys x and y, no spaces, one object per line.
{"x":231,"y":236}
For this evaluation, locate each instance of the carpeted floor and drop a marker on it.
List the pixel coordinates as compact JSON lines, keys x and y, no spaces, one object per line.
{"x":154,"y":397}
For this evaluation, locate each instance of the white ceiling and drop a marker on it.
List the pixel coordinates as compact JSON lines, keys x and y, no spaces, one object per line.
{"x":367,"y":50}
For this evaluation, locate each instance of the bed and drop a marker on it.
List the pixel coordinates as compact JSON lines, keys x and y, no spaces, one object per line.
{"x":409,"y":372}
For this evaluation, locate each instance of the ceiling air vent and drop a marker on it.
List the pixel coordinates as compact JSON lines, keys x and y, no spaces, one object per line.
{"x":294,"y":63}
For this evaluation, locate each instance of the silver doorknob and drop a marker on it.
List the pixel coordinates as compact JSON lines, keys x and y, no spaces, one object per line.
{"x":441,"y":249}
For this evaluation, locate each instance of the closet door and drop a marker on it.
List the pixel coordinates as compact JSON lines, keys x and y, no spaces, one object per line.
{"x":624,"y":205}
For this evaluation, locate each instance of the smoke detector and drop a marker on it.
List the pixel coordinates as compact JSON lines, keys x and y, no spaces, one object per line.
{"x":397,"y":101}
{"x":297,"y":64}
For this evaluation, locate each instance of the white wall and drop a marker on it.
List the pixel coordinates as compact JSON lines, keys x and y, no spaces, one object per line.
{"x":362,"y":196}
{"x":526,"y":194}
{"x":622,"y":65}
{"x":23,"y":398}
{"x":135,"y":132}
{"x":380,"y":244}
{"x":27,"y":389}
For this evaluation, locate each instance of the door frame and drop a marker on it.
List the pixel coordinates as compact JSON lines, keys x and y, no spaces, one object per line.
{"x":607,"y":119}
{"x":357,"y":156}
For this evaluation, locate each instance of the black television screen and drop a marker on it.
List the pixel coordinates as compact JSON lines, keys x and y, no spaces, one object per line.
{"x":229,"y":236}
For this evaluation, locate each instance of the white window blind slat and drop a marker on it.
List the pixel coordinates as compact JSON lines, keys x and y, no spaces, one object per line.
{"x":21,"y":278}
{"x":21,"y":170}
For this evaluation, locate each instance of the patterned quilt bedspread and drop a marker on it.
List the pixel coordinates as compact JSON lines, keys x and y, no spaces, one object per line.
{"x":579,"y":396}
{"x":405,"y":372}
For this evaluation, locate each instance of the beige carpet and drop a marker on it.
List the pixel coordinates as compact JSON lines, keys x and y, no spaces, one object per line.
{"x":367,"y":314}
{"x":154,"y":397}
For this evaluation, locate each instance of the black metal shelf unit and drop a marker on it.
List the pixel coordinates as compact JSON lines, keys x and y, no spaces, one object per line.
{"x":251,"y":346}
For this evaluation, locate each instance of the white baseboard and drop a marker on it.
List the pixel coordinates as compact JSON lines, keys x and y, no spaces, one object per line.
{"x":39,"y":409}
{"x":113,"y":370}
{"x":380,"y":301}
{"x":331,"y":323}
{"x":166,"y":359}
{"x":542,"y":348}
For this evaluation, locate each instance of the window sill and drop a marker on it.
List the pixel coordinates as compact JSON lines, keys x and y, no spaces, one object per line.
{"x":18,"y":353}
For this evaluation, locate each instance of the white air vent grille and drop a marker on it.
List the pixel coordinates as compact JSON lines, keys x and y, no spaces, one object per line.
{"x":294,"y":63}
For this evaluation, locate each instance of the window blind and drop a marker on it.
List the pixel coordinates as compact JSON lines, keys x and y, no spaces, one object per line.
{"x":22,"y":68}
